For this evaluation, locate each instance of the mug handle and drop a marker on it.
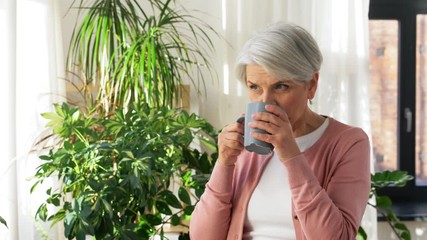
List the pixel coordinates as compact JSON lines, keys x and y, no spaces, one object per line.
{"x":241,"y":119}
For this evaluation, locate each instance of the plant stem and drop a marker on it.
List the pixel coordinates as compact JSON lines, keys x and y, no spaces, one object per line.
{"x":388,"y":221}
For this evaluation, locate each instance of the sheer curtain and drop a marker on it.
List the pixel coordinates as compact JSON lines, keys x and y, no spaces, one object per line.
{"x":341,"y":29}
{"x":31,"y":63}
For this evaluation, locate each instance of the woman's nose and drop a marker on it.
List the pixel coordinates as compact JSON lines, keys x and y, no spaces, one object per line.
{"x":267,"y":97}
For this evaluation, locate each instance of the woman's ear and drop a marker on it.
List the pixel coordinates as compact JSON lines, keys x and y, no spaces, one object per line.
{"x":312,"y":86}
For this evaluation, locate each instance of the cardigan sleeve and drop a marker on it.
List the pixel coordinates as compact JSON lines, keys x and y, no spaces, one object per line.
{"x":211,"y":217}
{"x":335,"y":210}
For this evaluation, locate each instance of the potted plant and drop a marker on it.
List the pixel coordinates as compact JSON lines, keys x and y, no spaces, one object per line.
{"x":129,"y":160}
{"x":383,"y":204}
{"x":118,"y":173}
{"x":135,"y":51}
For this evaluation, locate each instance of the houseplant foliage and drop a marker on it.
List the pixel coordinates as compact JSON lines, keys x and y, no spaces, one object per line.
{"x":383,"y":204}
{"x":118,"y":172}
{"x":137,"y":51}
{"x":128,"y":160}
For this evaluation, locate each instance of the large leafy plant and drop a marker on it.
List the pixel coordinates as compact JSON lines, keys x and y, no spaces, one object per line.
{"x":128,"y":160}
{"x":127,"y":175}
{"x":383,"y":203}
{"x":138,"y":51}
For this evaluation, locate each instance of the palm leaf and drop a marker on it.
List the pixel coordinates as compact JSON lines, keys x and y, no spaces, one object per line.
{"x":139,"y":51}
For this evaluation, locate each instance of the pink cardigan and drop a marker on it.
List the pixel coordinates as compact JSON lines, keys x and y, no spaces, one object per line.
{"x":330,"y":184}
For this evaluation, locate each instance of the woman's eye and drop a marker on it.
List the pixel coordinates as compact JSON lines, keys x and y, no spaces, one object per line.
{"x":282,"y":86}
{"x":253,"y":87}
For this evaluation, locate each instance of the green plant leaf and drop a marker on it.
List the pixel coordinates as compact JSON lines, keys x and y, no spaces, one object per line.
{"x":401,"y":226}
{"x":153,"y":220}
{"x":96,"y":185}
{"x":199,"y":191}
{"x":54,"y":118}
{"x":105,"y":228}
{"x":54,"y":199}
{"x":41,"y":212}
{"x":2,"y":221}
{"x":171,"y":199}
{"x":57,"y":217}
{"x":69,"y":222}
{"x":188,"y":210}
{"x":175,"y":220}
{"x":383,"y":202}
{"x":205,"y":164}
{"x":45,"y":157}
{"x":184,"y":196}
{"x":80,"y":235}
{"x":361,"y":234}
{"x":390,"y":178}
{"x":107,"y":207}
{"x":85,"y":210}
{"x":210,"y":144}
{"x":405,"y":235}
{"x":163,"y":207}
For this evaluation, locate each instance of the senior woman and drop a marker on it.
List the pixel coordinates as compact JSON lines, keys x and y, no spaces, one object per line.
{"x":315,"y":184}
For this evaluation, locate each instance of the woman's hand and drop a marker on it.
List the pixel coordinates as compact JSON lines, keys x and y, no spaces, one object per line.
{"x":230,"y":143}
{"x":276,"y":122}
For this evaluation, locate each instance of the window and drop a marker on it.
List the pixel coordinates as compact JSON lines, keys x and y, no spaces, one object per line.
{"x":383,"y":40}
{"x":421,"y":101}
{"x":398,"y":70}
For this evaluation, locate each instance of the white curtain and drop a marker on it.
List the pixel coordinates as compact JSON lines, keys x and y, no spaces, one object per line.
{"x":31,"y":62}
{"x":341,"y":30}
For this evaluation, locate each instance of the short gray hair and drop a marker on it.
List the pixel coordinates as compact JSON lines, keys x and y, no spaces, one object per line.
{"x":284,"y":50}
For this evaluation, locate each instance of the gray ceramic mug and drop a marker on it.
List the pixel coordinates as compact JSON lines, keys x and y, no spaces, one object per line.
{"x":252,"y":144}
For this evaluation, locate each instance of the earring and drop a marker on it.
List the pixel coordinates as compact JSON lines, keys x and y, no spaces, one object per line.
{"x":310,"y":101}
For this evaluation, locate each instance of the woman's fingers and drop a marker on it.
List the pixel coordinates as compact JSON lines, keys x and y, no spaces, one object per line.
{"x":230,"y":143}
{"x":280,"y":134}
{"x":275,"y":123}
{"x":274,"y":114}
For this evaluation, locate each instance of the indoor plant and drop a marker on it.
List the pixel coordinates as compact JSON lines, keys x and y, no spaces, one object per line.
{"x":121,"y":179}
{"x":383,"y":204}
{"x":139,"y":51}
{"x":129,"y":160}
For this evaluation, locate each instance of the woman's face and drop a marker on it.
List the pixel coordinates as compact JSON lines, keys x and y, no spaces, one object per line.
{"x":291,"y":96}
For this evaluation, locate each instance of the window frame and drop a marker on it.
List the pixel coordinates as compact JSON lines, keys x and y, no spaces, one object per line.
{"x":405,"y":12}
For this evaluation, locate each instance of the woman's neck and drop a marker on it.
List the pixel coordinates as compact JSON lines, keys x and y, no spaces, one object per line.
{"x":309,"y":122}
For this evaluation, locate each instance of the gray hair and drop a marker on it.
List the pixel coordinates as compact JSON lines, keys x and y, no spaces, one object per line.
{"x":284,"y":50}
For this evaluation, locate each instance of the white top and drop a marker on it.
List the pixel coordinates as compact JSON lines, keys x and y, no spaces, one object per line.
{"x":269,"y":213}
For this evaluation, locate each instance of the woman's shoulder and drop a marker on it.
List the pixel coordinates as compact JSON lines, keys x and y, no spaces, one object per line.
{"x":339,"y":138}
{"x":340,"y":131}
